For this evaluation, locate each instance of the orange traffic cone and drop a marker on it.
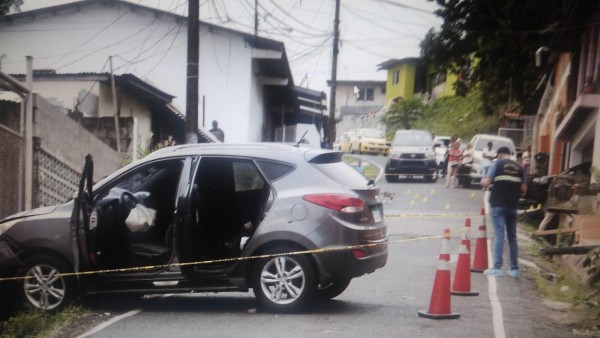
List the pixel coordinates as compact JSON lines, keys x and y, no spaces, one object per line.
{"x":439,"y":305}
{"x":483,"y":216}
{"x":445,"y":251}
{"x":461,"y":286}
{"x":467,"y":235}
{"x":480,"y":260}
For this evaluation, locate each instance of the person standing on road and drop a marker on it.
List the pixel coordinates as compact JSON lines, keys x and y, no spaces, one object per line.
{"x":488,"y":156}
{"x":526,"y":159}
{"x":454,"y":155}
{"x":466,"y":162}
{"x":219,"y":134}
{"x":507,"y":182}
{"x":325,"y":142}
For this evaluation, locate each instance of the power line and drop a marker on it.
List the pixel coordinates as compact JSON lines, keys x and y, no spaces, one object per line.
{"x":412,"y":8}
{"x":93,"y":36}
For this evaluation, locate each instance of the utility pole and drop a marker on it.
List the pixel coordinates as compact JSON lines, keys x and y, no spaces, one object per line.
{"x":116,"y":109}
{"x":336,"y":37}
{"x":193,"y":54}
{"x":255,"y":17}
{"x":29,"y":136}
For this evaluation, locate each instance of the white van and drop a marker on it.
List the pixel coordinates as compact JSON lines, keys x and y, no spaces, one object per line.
{"x":479,"y":142}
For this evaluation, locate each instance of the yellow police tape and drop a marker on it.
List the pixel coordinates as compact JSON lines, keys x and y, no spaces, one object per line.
{"x":224,"y":260}
{"x":422,"y":215}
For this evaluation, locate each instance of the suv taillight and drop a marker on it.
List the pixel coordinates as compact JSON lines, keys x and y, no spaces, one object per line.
{"x":337,"y":202}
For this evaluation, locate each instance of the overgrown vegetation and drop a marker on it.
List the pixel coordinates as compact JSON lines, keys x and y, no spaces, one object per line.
{"x":39,"y":324}
{"x":492,"y":45}
{"x":445,"y":116}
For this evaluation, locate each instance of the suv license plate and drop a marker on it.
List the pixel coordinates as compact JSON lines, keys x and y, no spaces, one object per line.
{"x":376,"y":214}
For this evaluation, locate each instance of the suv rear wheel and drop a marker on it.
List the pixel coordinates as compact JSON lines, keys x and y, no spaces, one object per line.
{"x":333,"y":289}
{"x":283,"y":283}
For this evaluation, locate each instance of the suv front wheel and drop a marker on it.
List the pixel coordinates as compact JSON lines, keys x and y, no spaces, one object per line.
{"x":44,"y":285}
{"x":283,"y":283}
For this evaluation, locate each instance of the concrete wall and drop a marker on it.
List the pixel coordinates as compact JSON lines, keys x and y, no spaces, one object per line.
{"x":67,"y":91}
{"x":69,"y":142}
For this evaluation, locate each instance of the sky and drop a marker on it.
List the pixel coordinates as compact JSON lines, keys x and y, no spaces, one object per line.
{"x":371,"y":31}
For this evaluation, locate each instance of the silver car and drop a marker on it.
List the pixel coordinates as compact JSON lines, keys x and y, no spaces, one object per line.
{"x":294,"y":224}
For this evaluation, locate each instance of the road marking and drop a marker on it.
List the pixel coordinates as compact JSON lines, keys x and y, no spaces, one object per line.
{"x":425,"y":199}
{"x":106,"y":324}
{"x":497,"y":317}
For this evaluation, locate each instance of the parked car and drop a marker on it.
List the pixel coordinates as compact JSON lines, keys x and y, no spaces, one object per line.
{"x":336,"y":144}
{"x":411,"y":153}
{"x":369,"y":141}
{"x":480,"y":142}
{"x":346,"y":141}
{"x":191,"y":217}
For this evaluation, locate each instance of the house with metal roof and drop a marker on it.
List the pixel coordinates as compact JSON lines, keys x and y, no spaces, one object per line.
{"x":245,"y":82}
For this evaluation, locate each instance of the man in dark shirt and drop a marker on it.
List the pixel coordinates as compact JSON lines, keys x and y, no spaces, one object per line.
{"x":507,"y":182}
{"x":219,"y":134}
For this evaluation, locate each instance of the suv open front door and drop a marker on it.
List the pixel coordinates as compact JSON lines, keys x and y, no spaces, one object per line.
{"x":83,"y":252}
{"x":186,"y":216}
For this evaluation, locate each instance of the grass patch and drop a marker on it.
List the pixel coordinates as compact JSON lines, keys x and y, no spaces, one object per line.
{"x":557,"y":282}
{"x":38,"y":323}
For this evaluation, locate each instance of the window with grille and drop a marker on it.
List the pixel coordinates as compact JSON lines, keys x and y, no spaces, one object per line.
{"x":396,"y":77}
{"x":365,"y":94}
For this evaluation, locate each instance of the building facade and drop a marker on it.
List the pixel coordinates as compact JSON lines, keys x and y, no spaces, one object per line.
{"x":239,"y":72}
{"x":359,"y":104}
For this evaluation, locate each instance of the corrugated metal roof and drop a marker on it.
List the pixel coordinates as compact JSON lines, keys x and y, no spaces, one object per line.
{"x":10,"y":96}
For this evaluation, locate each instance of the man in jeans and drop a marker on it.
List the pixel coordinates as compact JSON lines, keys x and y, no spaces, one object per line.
{"x":508,"y":182}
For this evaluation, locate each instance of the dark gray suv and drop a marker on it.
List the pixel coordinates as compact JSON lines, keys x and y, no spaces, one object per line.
{"x":292,"y":223}
{"x":411,"y":154}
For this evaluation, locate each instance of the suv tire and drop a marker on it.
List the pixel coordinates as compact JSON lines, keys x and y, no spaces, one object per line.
{"x":283,"y":283}
{"x":333,"y":289}
{"x":44,"y":287}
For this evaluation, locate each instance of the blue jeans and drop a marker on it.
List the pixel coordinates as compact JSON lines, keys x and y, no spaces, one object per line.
{"x":484,"y":170}
{"x":505,"y":218}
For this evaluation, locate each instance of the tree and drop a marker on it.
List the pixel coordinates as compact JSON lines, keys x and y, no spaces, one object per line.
{"x":404,"y":113}
{"x":5,"y":5}
{"x":496,"y":42}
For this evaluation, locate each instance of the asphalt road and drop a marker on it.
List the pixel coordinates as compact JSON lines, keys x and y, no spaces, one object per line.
{"x":382,"y":304}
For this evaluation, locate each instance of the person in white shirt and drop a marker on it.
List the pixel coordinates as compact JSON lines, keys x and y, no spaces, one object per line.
{"x":488,"y":156}
{"x":526,"y":159}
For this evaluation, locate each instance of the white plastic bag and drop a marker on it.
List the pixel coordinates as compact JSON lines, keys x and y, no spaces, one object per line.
{"x":140,"y":218}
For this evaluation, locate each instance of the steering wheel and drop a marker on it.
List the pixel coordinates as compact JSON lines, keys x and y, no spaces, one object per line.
{"x":128,"y":200}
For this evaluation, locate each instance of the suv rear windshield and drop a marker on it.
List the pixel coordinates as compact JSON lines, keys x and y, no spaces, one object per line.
{"x":413,"y":139}
{"x":343,"y":173}
{"x":332,"y":165}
